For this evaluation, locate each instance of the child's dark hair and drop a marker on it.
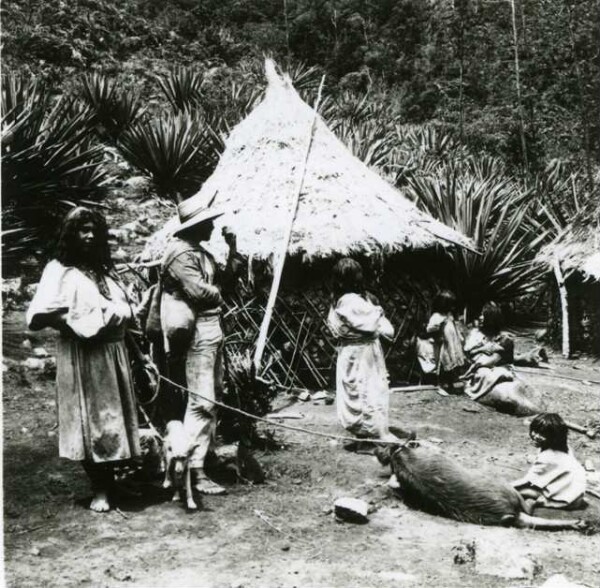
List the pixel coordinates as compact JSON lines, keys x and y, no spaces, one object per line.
{"x":444,"y":302}
{"x":552,"y":427}
{"x":493,"y":321}
{"x":347,"y":276}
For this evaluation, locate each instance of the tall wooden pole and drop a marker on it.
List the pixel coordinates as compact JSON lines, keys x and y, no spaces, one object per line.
{"x":280,"y":259}
{"x":518,"y":84}
{"x":564,"y":306}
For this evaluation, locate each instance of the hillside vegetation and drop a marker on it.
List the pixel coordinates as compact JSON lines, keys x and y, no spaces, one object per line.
{"x":484,"y":113}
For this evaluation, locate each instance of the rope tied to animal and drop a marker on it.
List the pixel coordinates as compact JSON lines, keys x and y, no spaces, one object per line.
{"x":275,"y":424}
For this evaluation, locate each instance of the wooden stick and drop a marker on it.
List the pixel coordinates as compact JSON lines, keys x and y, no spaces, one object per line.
{"x":418,"y":388}
{"x":591,"y":433}
{"x":564,"y":305}
{"x":544,"y":372}
{"x":262,"y":336}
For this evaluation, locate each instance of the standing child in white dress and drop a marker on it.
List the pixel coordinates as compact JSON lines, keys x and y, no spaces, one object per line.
{"x":362,"y":391}
{"x":448,"y":340}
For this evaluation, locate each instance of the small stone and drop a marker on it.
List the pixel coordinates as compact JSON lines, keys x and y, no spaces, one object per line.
{"x":26,"y":344}
{"x":436,"y":440}
{"x":285,"y":547}
{"x":589,"y":465}
{"x":304,"y":396}
{"x":352,"y":510}
{"x":35,"y":551}
{"x":40,"y":352}
{"x":33,"y":363}
{"x":24,"y":430}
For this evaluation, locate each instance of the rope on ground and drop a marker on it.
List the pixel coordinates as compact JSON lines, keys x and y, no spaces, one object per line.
{"x":275,"y":424}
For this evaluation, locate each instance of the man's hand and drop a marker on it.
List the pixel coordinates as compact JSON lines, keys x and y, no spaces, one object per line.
{"x":229,"y":236}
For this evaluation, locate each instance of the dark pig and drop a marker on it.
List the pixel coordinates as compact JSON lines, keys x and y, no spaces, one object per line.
{"x":435,"y":483}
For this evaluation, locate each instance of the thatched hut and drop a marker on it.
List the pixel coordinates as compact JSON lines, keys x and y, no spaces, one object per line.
{"x":345,"y":208}
{"x":574,"y":257}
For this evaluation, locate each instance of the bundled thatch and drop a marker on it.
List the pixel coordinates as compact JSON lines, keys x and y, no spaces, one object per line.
{"x":345,"y":207}
{"x":578,"y":247}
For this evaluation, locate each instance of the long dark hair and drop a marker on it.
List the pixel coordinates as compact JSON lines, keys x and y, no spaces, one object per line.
{"x":347,"y":277}
{"x":444,"y":302}
{"x":554,"y":430}
{"x":68,"y":249}
{"x":493,"y":321}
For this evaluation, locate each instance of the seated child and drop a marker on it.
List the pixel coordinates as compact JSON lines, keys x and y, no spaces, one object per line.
{"x":556,"y":479}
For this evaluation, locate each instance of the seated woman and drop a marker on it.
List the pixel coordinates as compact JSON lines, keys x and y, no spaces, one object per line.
{"x":491,"y":380}
{"x":556,"y":479}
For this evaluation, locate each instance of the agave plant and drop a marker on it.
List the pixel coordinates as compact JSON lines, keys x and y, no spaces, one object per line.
{"x":245,"y":391}
{"x":177,"y":151}
{"x":493,"y":212}
{"x":49,"y":164}
{"x":113,"y":109}
{"x":560,"y":196}
{"x":421,"y":150}
{"x":368,"y":140}
{"x":182,"y":87}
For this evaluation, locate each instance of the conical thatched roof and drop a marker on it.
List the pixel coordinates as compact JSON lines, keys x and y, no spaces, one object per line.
{"x":578,"y":247}
{"x":345,"y":207}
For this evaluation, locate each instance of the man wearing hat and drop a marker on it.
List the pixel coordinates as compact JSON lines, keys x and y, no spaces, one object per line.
{"x":188,"y":273}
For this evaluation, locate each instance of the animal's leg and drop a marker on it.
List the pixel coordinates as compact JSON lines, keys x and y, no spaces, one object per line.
{"x":167,"y":481}
{"x":191,"y":504}
{"x":176,"y":496}
{"x":525,"y":521}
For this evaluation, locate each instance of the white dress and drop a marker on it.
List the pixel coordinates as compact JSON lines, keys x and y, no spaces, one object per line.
{"x":97,"y":419}
{"x":362,"y":390}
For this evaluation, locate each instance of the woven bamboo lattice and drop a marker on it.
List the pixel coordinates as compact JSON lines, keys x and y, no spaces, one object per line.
{"x":300,"y":350}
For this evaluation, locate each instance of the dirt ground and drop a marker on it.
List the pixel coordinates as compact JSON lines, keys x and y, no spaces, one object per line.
{"x":282,"y":533}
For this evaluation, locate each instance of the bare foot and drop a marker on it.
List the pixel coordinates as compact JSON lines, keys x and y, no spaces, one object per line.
{"x":204,"y":485}
{"x":100,"y":502}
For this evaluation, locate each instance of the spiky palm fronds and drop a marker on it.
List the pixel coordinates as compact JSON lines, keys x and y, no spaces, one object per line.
{"x":305,"y":78}
{"x":113,"y":109}
{"x":368,"y":140}
{"x":560,"y":195}
{"x":182,"y":87}
{"x":493,"y":212}
{"x":420,"y":150}
{"x":248,"y":393}
{"x":49,"y":164}
{"x":177,"y":151}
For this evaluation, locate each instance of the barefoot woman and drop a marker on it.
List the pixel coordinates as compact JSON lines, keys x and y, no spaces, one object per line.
{"x":80,"y":297}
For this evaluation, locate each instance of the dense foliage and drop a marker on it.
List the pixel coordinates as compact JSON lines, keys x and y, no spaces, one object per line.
{"x":485,"y":113}
{"x":454,"y":61}
{"x":48,"y":163}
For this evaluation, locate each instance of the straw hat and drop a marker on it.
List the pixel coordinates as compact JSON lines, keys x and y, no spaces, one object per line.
{"x":196,"y":210}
